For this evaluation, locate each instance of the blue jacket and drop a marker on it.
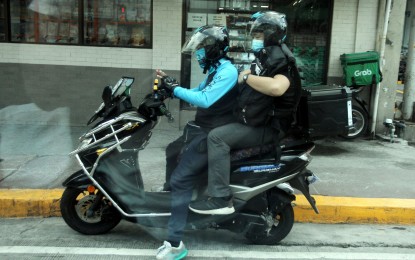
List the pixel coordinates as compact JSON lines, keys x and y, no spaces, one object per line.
{"x":205,"y":96}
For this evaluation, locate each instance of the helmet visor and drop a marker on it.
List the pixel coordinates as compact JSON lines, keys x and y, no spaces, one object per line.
{"x":204,"y":36}
{"x":194,"y":43}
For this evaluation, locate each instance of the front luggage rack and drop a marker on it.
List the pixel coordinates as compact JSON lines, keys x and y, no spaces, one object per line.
{"x":89,"y":139}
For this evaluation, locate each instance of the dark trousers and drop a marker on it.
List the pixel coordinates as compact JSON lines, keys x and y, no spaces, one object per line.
{"x":220,"y":142}
{"x":173,"y":151}
{"x":193,"y":161}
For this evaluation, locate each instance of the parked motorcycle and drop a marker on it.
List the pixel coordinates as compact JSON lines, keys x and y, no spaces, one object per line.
{"x":360,"y":115}
{"x":109,"y":187}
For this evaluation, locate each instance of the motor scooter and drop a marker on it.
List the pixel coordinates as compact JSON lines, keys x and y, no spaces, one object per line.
{"x":110,"y":187}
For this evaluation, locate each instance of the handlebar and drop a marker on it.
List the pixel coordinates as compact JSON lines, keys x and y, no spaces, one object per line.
{"x":167,"y":113}
{"x":159,"y":95}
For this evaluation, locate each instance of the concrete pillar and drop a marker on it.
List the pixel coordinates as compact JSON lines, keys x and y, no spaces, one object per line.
{"x":409,"y":91}
{"x":387,"y":91}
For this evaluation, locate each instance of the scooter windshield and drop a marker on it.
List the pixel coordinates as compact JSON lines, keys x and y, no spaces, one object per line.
{"x":122,"y":87}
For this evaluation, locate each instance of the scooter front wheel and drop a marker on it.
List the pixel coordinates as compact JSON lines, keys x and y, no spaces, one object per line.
{"x":278,"y":227}
{"x":74,"y":206}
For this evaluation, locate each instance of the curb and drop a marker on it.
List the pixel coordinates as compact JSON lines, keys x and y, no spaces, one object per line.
{"x":30,"y":202}
{"x":336,"y":210}
{"x":333,"y":210}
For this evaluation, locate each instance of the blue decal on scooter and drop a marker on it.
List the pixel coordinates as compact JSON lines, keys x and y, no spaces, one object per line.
{"x":261,"y":168}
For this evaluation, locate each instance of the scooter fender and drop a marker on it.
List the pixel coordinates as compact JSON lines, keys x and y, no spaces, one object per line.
{"x":300,"y":183}
{"x":77,"y":180}
{"x":280,"y":199}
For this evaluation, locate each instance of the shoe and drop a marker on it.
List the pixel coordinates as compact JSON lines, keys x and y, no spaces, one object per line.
{"x":213,"y":206}
{"x":167,"y":252}
{"x":158,"y":188}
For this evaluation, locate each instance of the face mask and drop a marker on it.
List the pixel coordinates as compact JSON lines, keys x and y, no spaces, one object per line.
{"x":201,"y":57}
{"x":257,"y":45}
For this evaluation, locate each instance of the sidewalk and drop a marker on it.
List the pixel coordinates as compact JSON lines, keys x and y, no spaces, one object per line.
{"x":361,"y":181}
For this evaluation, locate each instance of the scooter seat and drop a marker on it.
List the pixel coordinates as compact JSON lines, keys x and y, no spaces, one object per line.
{"x":286,"y":143}
{"x":245,"y":153}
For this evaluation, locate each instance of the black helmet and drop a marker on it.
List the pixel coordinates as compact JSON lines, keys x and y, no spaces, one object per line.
{"x":272,"y":24}
{"x":215,"y":40}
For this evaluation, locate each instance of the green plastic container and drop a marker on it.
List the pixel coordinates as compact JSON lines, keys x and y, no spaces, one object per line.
{"x":361,"y":68}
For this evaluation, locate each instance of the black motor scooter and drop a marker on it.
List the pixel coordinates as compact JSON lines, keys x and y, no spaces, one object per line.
{"x":110,"y":187}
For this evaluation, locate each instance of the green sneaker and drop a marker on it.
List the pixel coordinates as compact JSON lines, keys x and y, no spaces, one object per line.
{"x":167,"y":252}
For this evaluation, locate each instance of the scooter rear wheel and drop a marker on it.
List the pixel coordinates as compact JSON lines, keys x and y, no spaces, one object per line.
{"x":74,"y":205}
{"x":360,"y":123}
{"x":279,"y":226}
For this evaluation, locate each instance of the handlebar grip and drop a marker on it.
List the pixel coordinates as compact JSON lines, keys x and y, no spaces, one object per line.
{"x":167,"y":113}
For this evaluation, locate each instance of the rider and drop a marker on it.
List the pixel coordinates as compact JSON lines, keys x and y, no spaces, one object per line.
{"x":268,"y":31}
{"x":215,"y":99}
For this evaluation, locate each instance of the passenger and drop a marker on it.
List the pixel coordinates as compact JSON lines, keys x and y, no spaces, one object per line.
{"x":215,"y":99}
{"x":270,"y":74}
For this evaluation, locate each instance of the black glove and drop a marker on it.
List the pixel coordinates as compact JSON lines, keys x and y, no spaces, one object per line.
{"x":169,"y":84}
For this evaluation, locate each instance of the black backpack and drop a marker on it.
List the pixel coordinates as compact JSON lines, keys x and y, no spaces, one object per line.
{"x":257,"y":109}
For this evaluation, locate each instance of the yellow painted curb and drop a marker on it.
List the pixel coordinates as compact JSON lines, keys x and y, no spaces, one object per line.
{"x":356,"y":210}
{"x":45,"y":203}
{"x":30,"y":202}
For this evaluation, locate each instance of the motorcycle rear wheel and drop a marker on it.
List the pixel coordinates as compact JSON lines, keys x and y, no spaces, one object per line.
{"x":74,"y":205}
{"x":280,"y":225}
{"x":360,"y":123}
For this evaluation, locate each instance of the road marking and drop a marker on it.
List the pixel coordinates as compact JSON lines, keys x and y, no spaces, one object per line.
{"x":33,"y":250}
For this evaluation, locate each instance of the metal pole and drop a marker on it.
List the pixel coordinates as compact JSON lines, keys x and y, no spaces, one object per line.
{"x":409,"y":90}
{"x":382,"y":61}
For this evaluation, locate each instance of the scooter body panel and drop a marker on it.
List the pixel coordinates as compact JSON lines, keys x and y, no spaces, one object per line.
{"x":77,"y":180}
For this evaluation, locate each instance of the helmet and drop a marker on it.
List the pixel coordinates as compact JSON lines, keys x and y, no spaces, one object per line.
{"x":215,"y":40}
{"x":272,"y":24}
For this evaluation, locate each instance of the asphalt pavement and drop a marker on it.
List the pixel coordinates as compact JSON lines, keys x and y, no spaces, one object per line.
{"x":51,"y":238}
{"x":361,"y":180}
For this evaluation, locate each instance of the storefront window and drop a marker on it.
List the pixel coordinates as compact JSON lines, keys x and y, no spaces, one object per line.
{"x":2,"y":20}
{"x":117,"y":23}
{"x":308,"y":32}
{"x":121,"y":23}
{"x":308,"y":36}
{"x":44,"y":21}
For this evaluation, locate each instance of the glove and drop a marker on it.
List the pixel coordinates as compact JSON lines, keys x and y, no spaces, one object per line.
{"x":169,"y":84}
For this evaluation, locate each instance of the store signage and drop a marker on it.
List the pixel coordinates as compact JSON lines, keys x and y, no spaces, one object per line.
{"x":217,"y":19}
{"x":195,"y":20}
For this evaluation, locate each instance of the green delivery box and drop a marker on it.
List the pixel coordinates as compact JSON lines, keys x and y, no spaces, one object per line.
{"x":361,"y":68}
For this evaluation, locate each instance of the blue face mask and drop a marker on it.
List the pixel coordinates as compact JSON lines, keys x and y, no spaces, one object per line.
{"x":257,"y":45}
{"x":201,"y":57}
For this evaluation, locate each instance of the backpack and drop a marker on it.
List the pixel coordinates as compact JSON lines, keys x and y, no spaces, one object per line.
{"x":257,"y":109}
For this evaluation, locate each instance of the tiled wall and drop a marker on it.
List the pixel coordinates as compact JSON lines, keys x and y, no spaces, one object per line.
{"x":348,"y":36}
{"x":75,"y":55}
{"x":71,"y":87}
{"x":53,"y":76}
{"x":353,"y":30}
